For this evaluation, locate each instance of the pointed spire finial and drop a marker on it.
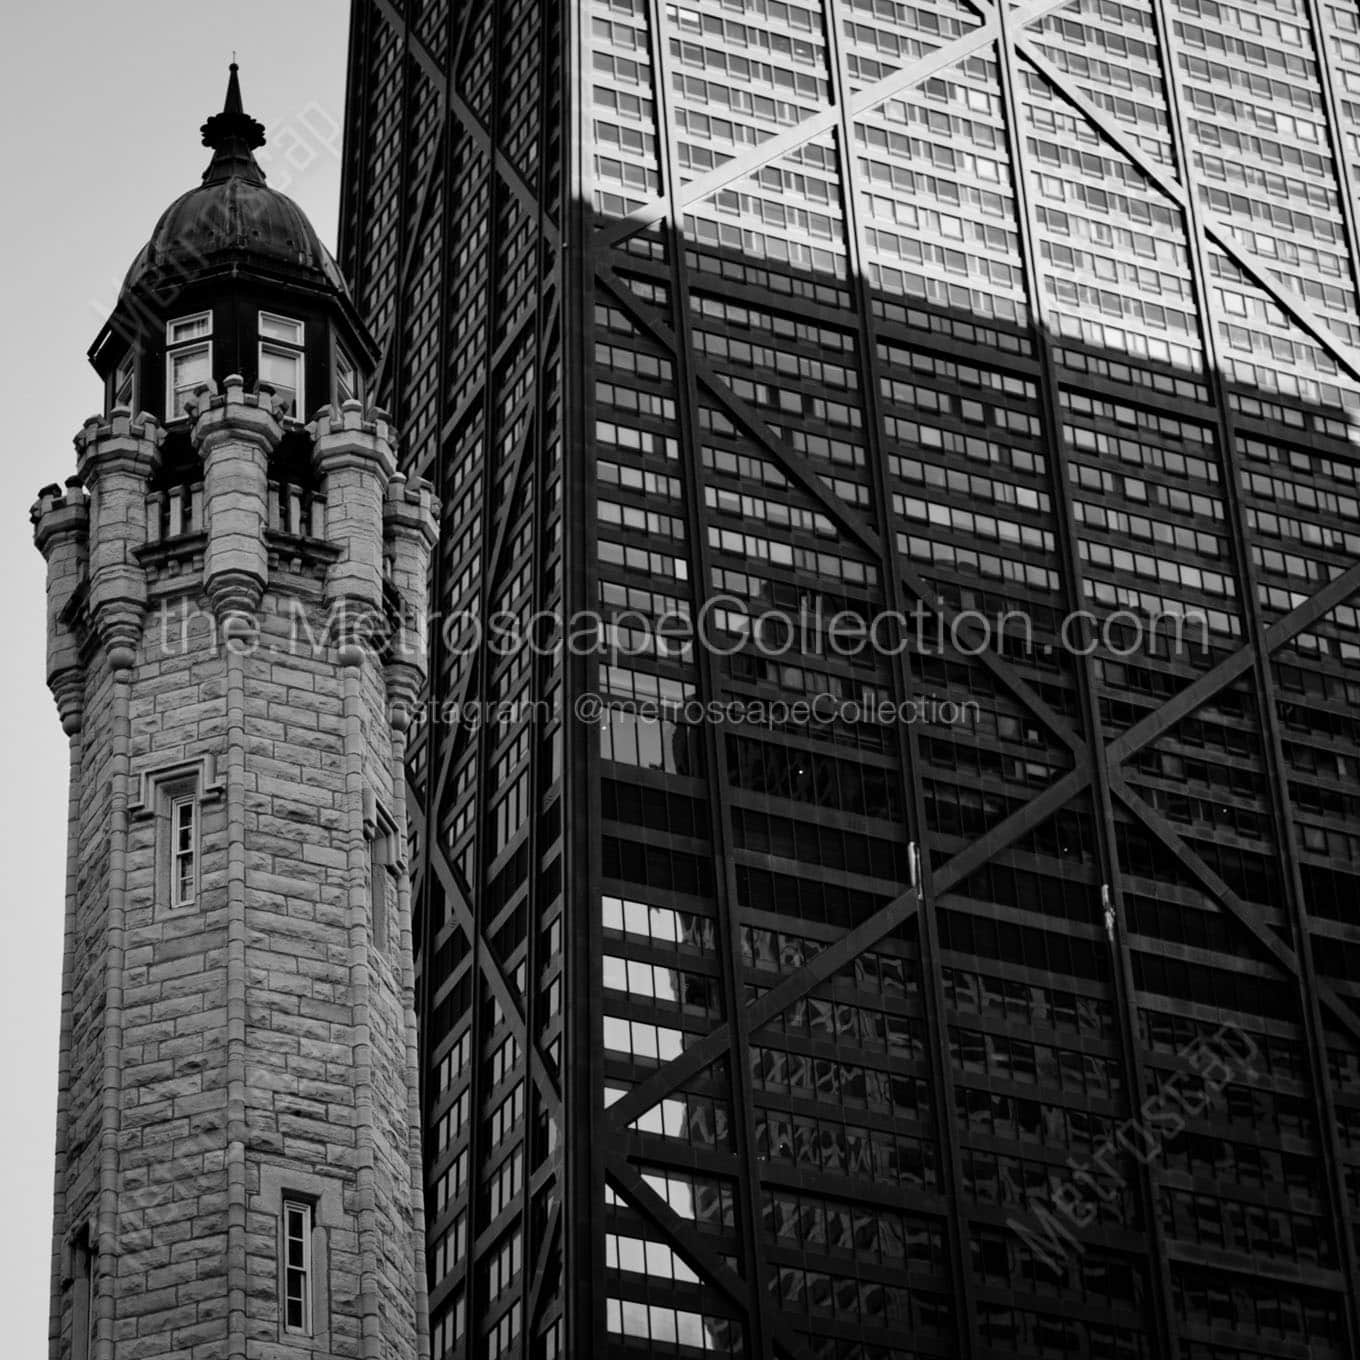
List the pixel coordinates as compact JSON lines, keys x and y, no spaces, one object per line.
{"x":233,"y":101}
{"x":233,"y":134}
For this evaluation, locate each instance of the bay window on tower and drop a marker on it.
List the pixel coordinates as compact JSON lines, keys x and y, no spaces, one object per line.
{"x":281,"y":360}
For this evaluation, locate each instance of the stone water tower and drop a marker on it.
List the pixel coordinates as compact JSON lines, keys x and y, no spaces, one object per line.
{"x":236,"y":596}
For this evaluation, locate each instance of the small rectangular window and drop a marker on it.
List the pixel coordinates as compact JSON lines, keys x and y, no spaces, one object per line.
{"x":281,"y":360}
{"x":83,"y":1301}
{"x":184,"y":851}
{"x":124,"y":382}
{"x":282,"y":370}
{"x":297,"y":1267}
{"x":346,"y":378}
{"x":189,"y":369}
{"x":377,"y":882}
{"x":280,"y":328}
{"x":382,"y":873}
{"x":188,"y":328}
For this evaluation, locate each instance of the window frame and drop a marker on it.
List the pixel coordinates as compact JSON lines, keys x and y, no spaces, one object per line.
{"x":342,"y":361}
{"x":172,"y":388}
{"x":172,"y":339}
{"x":304,"y":1210}
{"x":83,"y":1261}
{"x":299,"y":327}
{"x":286,"y":349}
{"x":160,"y":792}
{"x":181,"y":803}
{"x":127,"y":365}
{"x":385,"y":867}
{"x":179,"y":346}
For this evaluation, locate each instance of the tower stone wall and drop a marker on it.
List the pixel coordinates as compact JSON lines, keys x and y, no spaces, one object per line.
{"x":246,"y":638}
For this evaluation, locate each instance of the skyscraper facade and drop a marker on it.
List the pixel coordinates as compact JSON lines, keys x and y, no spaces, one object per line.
{"x":888,"y":813}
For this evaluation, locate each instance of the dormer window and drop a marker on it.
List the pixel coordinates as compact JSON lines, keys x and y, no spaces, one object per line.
{"x":188,"y":360}
{"x":346,"y":378}
{"x":125,"y":382}
{"x":281,"y":364}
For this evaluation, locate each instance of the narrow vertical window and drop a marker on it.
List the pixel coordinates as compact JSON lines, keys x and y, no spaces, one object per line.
{"x":184,"y":851}
{"x":176,"y":797}
{"x":297,"y":1267}
{"x":125,"y":382}
{"x":82,"y":1299}
{"x":281,"y":366}
{"x":346,"y":377}
{"x":377,"y":882}
{"x":188,"y":360}
{"x":383,"y":868}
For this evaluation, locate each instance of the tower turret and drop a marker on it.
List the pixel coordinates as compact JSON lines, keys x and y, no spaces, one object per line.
{"x":232,"y":576}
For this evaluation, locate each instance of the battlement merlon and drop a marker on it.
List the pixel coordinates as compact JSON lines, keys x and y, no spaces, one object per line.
{"x":354,"y":453}
{"x":234,"y":433}
{"x":116,"y":457}
{"x":61,"y":531}
{"x":410,"y":531}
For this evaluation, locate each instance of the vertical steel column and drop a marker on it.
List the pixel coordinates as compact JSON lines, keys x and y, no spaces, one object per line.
{"x":1345,"y":181}
{"x":585,"y":1128}
{"x":907,"y":739}
{"x":716,"y":775}
{"x":1073,"y":581}
{"x":1266,"y":700}
{"x":437,"y":735}
{"x":480,"y":741}
{"x":533,"y":906}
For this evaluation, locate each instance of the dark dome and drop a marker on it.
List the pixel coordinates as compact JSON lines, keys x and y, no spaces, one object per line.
{"x":232,"y":219}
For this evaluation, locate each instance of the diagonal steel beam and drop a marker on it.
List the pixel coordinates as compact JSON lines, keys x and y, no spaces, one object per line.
{"x":1162,"y":720}
{"x":1218,"y":231}
{"x":696,"y":1251}
{"x":414,"y":226}
{"x":699,"y":1055}
{"x":456,"y":107}
{"x":715,"y":1043}
{"x":491,"y":971}
{"x":492,"y":562}
{"x":991,"y":660}
{"x":1248,"y":915}
{"x":837,"y":955}
{"x":547,"y":1247}
{"x":794,"y":463}
{"x":865,"y":101}
{"x":801,"y":471}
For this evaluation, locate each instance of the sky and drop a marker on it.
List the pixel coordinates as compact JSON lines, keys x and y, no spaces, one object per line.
{"x":101,"y":106}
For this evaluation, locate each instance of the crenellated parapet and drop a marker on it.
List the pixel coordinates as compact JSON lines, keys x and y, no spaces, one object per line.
{"x":338,"y":525}
{"x":410,"y":531}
